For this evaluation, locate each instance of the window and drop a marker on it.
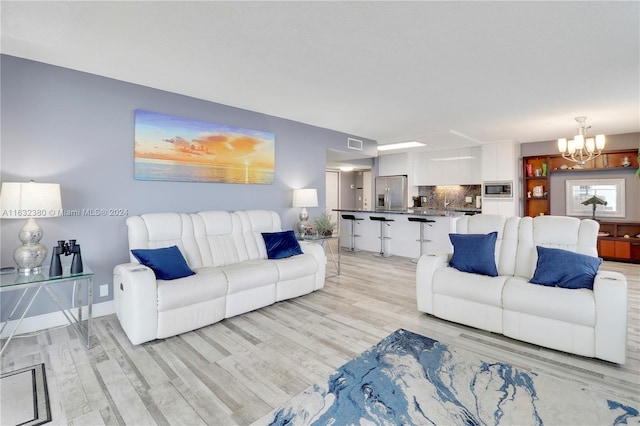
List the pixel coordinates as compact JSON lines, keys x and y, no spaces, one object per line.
{"x":610,"y":191}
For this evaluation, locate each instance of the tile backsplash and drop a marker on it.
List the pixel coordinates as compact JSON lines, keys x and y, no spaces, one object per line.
{"x":450,"y":196}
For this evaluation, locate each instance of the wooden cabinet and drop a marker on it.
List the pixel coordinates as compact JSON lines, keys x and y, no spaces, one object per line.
{"x":536,"y":185}
{"x":607,"y":161}
{"x":536,"y":200}
{"x":613,"y":245}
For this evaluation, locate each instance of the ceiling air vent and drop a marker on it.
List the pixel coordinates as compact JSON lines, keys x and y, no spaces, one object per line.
{"x":354,"y":144}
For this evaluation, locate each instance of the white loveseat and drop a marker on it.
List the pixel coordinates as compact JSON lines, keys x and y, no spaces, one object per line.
{"x":586,"y":322}
{"x":233,"y":275}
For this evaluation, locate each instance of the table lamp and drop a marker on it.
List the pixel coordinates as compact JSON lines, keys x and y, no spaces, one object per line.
{"x":30,"y":201}
{"x":305,"y":197}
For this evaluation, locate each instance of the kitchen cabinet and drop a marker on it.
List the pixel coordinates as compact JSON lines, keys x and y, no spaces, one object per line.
{"x":506,"y":207}
{"x":393,"y":164}
{"x":447,"y":167}
{"x":499,"y":162}
{"x":468,"y":167}
{"x":426,"y":171}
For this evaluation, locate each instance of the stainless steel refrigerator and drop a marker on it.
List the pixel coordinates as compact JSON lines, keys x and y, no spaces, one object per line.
{"x":391,"y":192}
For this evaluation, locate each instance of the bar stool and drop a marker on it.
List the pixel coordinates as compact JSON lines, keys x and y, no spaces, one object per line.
{"x":383,"y":221}
{"x":422,"y":221}
{"x":354,"y":220}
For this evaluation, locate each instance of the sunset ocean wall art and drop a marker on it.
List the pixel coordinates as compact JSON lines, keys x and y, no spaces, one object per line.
{"x":170,"y":148}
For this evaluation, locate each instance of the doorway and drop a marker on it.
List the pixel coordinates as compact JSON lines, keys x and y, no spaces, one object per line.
{"x":332,"y":201}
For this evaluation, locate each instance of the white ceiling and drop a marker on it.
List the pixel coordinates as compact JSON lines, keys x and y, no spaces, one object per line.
{"x":449,"y":74}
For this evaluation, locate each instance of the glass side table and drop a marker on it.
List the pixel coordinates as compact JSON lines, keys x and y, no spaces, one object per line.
{"x":323,"y":240}
{"x":16,"y":282}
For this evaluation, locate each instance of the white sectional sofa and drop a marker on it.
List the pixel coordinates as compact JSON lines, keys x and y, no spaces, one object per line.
{"x":233,"y":275}
{"x":583,"y":321}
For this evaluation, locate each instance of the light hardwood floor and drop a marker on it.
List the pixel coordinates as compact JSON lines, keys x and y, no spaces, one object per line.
{"x":236,"y":371}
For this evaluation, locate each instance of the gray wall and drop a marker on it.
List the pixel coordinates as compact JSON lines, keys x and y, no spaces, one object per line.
{"x":77,"y":129}
{"x":557,"y":183}
{"x":348,"y":190}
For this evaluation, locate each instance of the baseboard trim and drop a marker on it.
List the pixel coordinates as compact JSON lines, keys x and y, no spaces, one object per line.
{"x":55,"y":319}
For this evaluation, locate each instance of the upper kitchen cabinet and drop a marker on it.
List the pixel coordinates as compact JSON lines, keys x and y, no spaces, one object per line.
{"x":499,"y":162}
{"x":393,"y":164}
{"x":469,"y":165}
{"x":447,"y":167}
{"x":425,"y":170}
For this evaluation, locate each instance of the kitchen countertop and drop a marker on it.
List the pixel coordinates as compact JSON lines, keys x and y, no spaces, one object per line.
{"x":418,"y":211}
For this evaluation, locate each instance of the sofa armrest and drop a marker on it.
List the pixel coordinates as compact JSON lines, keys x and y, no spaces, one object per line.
{"x":610,"y":292}
{"x":316,"y":250}
{"x":136,"y":298}
{"x":427,"y":266}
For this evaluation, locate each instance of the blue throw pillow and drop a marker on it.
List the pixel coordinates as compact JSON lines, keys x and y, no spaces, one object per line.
{"x":563,"y":268}
{"x":281,"y":244}
{"x":167,"y":263}
{"x":474,"y":253}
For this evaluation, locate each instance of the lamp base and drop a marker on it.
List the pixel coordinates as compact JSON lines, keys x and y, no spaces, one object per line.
{"x":33,"y":271}
{"x":31,"y":254}
{"x":304,"y":218}
{"x":29,"y":258}
{"x":302,"y":227}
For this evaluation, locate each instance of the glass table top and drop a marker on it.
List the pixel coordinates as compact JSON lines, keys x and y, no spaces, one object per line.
{"x":15,"y":279}
{"x":316,"y":237}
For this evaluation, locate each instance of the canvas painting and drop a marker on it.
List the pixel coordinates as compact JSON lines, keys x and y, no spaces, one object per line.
{"x":170,"y":148}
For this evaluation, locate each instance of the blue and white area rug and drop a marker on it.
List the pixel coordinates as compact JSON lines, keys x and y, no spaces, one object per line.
{"x":409,"y":379}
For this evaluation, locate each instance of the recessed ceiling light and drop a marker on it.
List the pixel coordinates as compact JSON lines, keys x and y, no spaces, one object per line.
{"x":346,"y":169}
{"x":400,"y":145}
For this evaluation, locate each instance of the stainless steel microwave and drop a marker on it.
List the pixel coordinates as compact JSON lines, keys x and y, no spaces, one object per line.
{"x":502,"y":189}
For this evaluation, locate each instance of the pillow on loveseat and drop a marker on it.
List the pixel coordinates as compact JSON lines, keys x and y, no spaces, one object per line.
{"x":474,"y":253}
{"x":167,"y":263}
{"x":281,"y":244}
{"x":563,"y":268}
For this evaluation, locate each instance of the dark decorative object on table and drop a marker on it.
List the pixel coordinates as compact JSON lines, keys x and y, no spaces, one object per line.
{"x":76,"y":262}
{"x":594,"y":201}
{"x":55,"y":270}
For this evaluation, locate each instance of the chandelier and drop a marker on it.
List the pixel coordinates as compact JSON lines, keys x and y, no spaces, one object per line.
{"x":581,"y":148}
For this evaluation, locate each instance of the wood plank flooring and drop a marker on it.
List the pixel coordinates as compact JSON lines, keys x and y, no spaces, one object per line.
{"x":236,"y":371}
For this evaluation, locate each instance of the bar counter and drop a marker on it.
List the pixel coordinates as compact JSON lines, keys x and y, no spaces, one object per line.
{"x":403,"y":233}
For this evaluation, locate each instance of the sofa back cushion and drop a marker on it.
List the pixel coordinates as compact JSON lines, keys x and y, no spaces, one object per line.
{"x":254,"y":223}
{"x":561,"y":232}
{"x":158,"y":230}
{"x":506,"y":241}
{"x":208,"y":238}
{"x":219,"y":237}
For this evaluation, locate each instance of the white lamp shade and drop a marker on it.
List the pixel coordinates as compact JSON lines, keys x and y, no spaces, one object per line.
{"x":600,"y":142}
{"x":571,"y":146}
{"x":578,"y":140}
{"x":20,"y":200}
{"x":562,"y":144}
{"x":306,"y":197}
{"x":590,"y":144}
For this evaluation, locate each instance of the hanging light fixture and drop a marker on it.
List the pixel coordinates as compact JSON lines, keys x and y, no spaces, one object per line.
{"x":581,"y":148}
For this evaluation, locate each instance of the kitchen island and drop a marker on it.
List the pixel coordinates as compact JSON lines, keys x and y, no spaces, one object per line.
{"x":403,"y":233}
